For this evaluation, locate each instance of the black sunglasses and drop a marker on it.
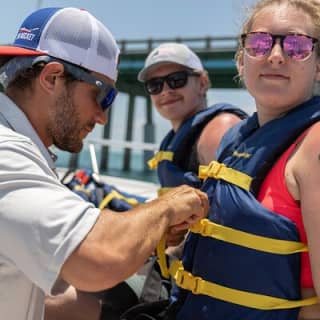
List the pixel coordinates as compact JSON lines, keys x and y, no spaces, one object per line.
{"x":174,"y":80}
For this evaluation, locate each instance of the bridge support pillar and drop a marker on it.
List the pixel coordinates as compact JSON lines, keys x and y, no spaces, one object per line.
{"x":127,"y":151}
{"x":104,"y":159}
{"x":149,"y":132}
{"x":73,"y":161}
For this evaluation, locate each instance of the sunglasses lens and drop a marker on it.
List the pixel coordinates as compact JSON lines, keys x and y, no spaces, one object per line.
{"x":105,"y":99}
{"x":258,"y":44}
{"x":154,"y":86}
{"x":177,"y":80}
{"x":297,"y":47}
{"x":174,"y":80}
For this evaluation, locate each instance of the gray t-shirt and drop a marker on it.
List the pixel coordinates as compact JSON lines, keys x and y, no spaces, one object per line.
{"x":41,"y":221}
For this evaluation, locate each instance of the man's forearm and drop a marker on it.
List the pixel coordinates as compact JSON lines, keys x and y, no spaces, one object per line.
{"x":119,"y":243}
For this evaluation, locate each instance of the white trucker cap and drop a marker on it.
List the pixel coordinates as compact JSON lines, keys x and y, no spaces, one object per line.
{"x":70,"y":34}
{"x":170,"y":52}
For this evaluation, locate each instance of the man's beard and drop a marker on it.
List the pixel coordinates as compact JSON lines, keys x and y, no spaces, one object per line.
{"x":66,"y":128}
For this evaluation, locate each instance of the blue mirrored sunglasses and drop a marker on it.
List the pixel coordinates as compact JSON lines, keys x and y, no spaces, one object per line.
{"x":107,"y":93}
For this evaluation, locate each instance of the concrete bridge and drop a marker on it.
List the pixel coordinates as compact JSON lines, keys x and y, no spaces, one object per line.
{"x":216,"y":54}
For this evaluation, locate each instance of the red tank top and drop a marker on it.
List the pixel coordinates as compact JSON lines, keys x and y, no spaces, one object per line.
{"x":275,"y":196}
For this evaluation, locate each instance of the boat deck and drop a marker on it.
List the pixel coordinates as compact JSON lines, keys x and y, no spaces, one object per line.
{"x":137,"y":187}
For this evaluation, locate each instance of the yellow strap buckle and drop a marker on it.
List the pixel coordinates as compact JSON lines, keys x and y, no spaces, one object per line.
{"x":160,"y":156}
{"x":210,"y":171}
{"x":219,"y":170}
{"x":203,"y":227}
{"x":152,"y":163}
{"x":188,"y":282}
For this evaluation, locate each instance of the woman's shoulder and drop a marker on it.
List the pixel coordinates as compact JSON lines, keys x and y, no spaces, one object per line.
{"x":311,"y":141}
{"x":305,"y":161}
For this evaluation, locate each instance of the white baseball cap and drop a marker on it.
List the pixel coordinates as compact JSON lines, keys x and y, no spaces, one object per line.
{"x":69,"y":34}
{"x":170,"y":52}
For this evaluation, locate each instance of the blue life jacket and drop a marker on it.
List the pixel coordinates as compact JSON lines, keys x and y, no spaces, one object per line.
{"x":243,"y":262}
{"x":176,"y":147}
{"x":84,"y":183}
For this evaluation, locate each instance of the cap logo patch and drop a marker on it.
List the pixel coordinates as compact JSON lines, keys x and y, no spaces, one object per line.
{"x":26,"y":34}
{"x":163,"y":52}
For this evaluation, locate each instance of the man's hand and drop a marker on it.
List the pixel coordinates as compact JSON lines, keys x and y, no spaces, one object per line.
{"x":121,"y":243}
{"x":186,"y":206}
{"x":174,"y":237}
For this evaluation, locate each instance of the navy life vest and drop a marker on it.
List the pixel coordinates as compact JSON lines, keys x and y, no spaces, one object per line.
{"x":243,"y":262}
{"x":172,"y":161}
{"x":89,"y":187}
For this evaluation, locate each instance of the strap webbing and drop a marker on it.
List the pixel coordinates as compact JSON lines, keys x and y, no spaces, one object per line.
{"x":162,"y":260}
{"x":160,"y":156}
{"x":197,"y":285}
{"x":114,"y":194}
{"x":210,"y":229}
{"x":218,"y":170}
{"x":163,"y":190}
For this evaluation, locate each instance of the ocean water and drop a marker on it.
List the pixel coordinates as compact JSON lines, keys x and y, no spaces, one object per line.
{"x":118,"y":122}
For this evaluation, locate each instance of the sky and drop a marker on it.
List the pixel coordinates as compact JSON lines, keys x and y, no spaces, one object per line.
{"x":142,"y":19}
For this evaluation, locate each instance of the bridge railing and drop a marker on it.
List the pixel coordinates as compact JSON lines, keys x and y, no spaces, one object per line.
{"x":199,"y":44}
{"x":94,"y":144}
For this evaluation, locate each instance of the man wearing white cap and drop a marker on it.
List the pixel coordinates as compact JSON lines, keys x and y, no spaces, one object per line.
{"x":177,"y":83}
{"x":58,"y":78}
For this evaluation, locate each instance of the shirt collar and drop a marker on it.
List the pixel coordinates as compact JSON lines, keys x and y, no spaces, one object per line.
{"x":17,"y":121}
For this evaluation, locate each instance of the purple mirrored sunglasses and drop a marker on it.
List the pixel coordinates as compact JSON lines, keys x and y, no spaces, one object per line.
{"x":295,"y":46}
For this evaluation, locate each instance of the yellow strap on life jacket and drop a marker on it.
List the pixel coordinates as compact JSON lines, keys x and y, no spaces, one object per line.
{"x":197,"y":285}
{"x":208,"y":228}
{"x":162,"y":260}
{"x":218,"y":170}
{"x":162,"y":191}
{"x":82,"y":189}
{"x":114,"y":194}
{"x":160,"y":156}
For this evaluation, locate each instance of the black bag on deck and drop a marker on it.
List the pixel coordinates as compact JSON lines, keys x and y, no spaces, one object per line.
{"x":158,"y":310}
{"x":146,"y":289}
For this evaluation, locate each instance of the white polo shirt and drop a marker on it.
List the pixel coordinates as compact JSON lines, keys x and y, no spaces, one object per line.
{"x":41,"y":221}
